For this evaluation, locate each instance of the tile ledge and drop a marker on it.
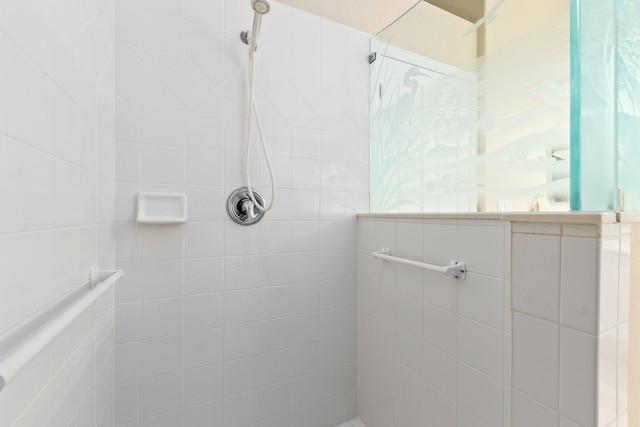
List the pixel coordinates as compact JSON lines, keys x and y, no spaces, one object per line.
{"x":538,"y":217}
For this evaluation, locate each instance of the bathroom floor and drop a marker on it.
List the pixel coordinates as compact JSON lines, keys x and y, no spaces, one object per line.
{"x":353,"y":423}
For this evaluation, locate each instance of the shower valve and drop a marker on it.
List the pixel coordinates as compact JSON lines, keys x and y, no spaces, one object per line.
{"x":241,"y":208}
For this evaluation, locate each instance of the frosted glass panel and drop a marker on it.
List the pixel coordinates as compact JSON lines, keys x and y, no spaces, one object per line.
{"x":472,"y":118}
{"x":593,"y":168}
{"x":423,"y":134}
{"x":628,"y":14}
{"x":606,"y":104}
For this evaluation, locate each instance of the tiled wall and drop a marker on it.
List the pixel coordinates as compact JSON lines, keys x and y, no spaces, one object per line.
{"x":57,"y":152}
{"x":220,"y":324}
{"x":537,"y":335}
{"x":570,"y":324}
{"x":434,"y":350}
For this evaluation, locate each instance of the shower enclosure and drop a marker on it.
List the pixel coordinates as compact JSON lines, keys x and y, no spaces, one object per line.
{"x":530,"y":109}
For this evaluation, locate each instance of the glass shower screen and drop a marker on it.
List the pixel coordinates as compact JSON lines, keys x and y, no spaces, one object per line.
{"x":472,"y":118}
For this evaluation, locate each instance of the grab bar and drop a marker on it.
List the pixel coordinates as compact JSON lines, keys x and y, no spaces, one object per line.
{"x":99,"y":282}
{"x":457,"y":269}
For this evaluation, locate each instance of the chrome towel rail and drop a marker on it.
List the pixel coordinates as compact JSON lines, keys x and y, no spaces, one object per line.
{"x":457,"y":269}
{"x":99,"y":282}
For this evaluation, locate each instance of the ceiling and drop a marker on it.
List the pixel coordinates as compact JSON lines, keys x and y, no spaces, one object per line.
{"x":471,"y":10}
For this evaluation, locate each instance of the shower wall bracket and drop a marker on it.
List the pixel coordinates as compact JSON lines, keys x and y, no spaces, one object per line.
{"x":245,"y":36}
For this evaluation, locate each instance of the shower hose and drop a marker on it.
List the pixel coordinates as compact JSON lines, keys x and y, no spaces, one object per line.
{"x":253,"y":111}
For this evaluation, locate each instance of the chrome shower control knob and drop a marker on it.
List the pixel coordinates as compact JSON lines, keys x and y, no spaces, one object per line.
{"x":241,"y":209}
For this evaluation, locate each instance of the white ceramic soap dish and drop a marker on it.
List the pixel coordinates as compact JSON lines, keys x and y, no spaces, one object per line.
{"x":162,"y":208}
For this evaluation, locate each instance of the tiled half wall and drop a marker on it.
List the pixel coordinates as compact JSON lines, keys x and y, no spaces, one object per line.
{"x":536,"y":334}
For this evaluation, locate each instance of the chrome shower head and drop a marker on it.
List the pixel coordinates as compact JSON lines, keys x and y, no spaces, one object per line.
{"x":261,"y":6}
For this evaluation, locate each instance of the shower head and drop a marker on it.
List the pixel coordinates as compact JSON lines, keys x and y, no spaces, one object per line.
{"x":261,"y":6}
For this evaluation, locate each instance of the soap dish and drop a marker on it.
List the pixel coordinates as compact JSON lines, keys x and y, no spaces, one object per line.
{"x":162,"y":208}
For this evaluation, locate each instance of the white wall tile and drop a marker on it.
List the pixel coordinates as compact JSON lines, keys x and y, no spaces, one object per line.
{"x":203,"y":203}
{"x":127,"y":322}
{"x":161,"y":125}
{"x":565,"y":422}
{"x":440,"y":243}
{"x":275,"y":302}
{"x":622,"y":367}
{"x":241,"y":409}
{"x":127,"y":162}
{"x":241,"y":306}
{"x":202,"y":415}
{"x":203,"y":384}
{"x":440,"y":370}
{"x":126,"y":21}
{"x":127,"y":360}
{"x":204,"y":239}
{"x":206,"y":12}
{"x":161,"y":394}
{"x":204,"y":275}
{"x":482,"y":248}
{"x":579,"y":284}
{"x":480,"y":346}
{"x":161,"y":356}
{"x":204,"y":131}
{"x":480,"y":395}
{"x":274,"y":367}
{"x":609,"y":282}
{"x":161,"y":242}
{"x":162,"y":165}
{"x":165,"y":420}
{"x":304,"y":329}
{"x":305,"y":236}
{"x":481,"y":298}
{"x":438,"y":409}
{"x":161,"y":32}
{"x":305,"y":174}
{"x":578,"y":370}
{"x":529,"y":413}
{"x":160,"y":317}
{"x":203,"y":42}
{"x":240,"y":341}
{"x":607,"y":366}
{"x":536,"y":275}
{"x":26,"y":191}
{"x":624,"y":280}
{"x":203,"y":312}
{"x":203,"y":348}
{"x":204,"y":167}
{"x":536,"y":358}
{"x":306,"y":205}
{"x":127,"y":243}
{"x":160,"y":279}
{"x":440,"y":328}
{"x":275,"y":237}
{"x":241,"y":272}
{"x":128,"y":403}
{"x":410,"y":315}
{"x":240,"y":375}
{"x":274,"y":269}
{"x":241,"y":240}
{"x":439,"y":290}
